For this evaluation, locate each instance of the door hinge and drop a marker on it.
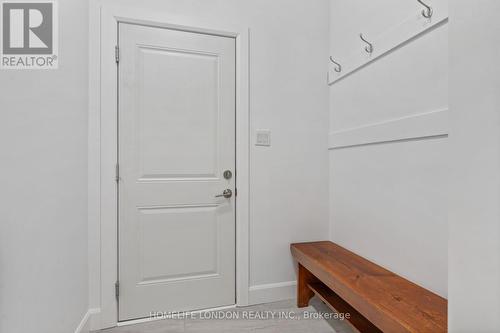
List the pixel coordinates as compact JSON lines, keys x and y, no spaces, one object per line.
{"x":117,"y":176}
{"x":117,"y":54}
{"x":117,"y":289}
{"x":236,"y":192}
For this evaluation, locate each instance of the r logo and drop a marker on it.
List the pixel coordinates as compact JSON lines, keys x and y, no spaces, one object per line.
{"x":28,"y":28}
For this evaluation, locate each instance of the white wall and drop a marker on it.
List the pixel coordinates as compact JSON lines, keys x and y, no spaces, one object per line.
{"x":474,"y":271}
{"x":288,"y":95}
{"x":388,"y":201}
{"x":43,"y":188}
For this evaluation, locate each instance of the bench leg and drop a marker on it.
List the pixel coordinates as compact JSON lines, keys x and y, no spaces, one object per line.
{"x":304,"y":294}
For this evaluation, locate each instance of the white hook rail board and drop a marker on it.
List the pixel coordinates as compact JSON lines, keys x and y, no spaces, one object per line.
{"x":413,"y":26}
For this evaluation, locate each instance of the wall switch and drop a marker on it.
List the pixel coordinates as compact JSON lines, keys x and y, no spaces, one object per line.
{"x":263,"y":138}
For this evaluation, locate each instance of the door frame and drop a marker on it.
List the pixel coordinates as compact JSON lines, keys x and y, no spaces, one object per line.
{"x":103,"y":141}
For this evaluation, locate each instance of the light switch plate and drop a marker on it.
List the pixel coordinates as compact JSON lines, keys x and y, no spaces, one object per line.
{"x":263,"y":138}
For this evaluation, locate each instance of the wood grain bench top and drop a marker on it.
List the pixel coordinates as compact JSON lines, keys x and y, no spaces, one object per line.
{"x":389,"y":301}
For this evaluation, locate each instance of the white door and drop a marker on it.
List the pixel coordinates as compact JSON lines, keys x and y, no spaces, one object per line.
{"x":176,"y":140}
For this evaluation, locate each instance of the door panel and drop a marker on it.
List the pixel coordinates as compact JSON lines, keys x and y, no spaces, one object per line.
{"x":176,"y":138}
{"x":183,"y":141}
{"x":160,"y":247}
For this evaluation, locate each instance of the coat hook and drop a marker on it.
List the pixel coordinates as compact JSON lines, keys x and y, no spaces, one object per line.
{"x":368,"y":48}
{"x":427,"y":12}
{"x":338,"y":67}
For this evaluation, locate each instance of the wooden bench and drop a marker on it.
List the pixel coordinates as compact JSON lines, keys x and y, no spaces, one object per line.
{"x":376,"y":299}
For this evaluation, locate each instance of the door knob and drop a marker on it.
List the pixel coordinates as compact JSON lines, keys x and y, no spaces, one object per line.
{"x":226,"y":194}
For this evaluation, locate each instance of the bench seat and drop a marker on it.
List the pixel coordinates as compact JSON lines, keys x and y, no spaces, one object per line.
{"x":376,"y":299}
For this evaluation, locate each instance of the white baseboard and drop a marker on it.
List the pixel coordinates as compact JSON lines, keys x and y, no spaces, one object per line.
{"x":95,"y":320}
{"x":85,"y":325}
{"x":274,"y":292}
{"x":259,"y":294}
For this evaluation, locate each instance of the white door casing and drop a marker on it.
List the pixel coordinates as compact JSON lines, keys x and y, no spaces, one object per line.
{"x":176,"y":138}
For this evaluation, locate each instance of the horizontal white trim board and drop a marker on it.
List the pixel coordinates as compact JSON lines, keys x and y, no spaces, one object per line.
{"x":273,"y":292}
{"x":396,"y":36}
{"x":423,"y":125}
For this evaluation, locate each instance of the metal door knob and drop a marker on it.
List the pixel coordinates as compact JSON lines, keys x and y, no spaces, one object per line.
{"x":226,"y":194}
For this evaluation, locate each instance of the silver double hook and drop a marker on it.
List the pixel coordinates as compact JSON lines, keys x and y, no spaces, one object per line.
{"x":427,"y":12}
{"x":369,"y":47}
{"x":338,"y":67}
